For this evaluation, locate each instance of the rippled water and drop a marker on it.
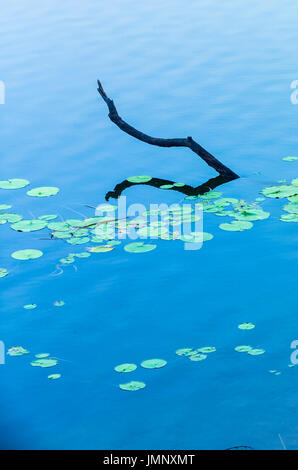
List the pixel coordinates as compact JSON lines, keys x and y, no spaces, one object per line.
{"x":220,"y":72}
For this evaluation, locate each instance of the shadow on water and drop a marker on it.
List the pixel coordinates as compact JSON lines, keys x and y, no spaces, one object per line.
{"x":159,"y":182}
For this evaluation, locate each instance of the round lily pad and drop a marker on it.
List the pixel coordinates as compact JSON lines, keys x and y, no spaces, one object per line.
{"x":43,"y":191}
{"x":179,"y":185}
{"x":246,"y":326}
{"x":54,"y":376}
{"x":290,"y":159}
{"x":166,"y":186}
{"x":139,"y":247}
{"x":198,"y":357}
{"x":207,"y":349}
{"x":17,"y":351}
{"x":59,"y":227}
{"x":243,"y":348}
{"x":75,"y":222}
{"x":236,"y":226}
{"x":197,"y":237}
{"x":153,"y":363}
{"x":78,"y":240}
{"x":59,"y":303}
{"x":139,"y":179}
{"x":44,"y":363}
{"x":256,"y":352}
{"x":11,"y":218}
{"x":211,"y":195}
{"x":30,"y":306}
{"x":29,"y":225}
{"x":132,"y":386}
{"x":27,"y":254}
{"x":15,"y":183}
{"x":4,"y":207}
{"x":82,"y":255}
{"x":125,"y":367}
{"x":42,"y":355}
{"x":101,"y":249}
{"x":3,"y":272}
{"x":185,"y":352}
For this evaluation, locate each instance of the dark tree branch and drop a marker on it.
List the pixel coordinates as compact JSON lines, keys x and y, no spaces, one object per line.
{"x":188,"y":142}
{"x":158,"y":182}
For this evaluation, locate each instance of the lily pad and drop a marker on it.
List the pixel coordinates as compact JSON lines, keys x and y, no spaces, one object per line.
{"x":59,"y":303}
{"x":132,"y":386}
{"x":11,"y":218}
{"x":139,"y":247}
{"x":3,"y":272}
{"x":42,"y":355}
{"x":59,"y":227}
{"x":27,"y":254}
{"x":243,"y":348}
{"x":78,"y":241}
{"x":44,"y":363}
{"x":211,"y":195}
{"x":15,"y":183}
{"x":30,"y":306}
{"x":43,"y":191}
{"x":185,"y":352}
{"x":101,"y":249}
{"x":125,"y":367}
{"x":139,"y":179}
{"x":290,"y":159}
{"x":256,"y":352}
{"x":207,"y":349}
{"x":198,"y":357}
{"x":29,"y":225}
{"x":153,"y":363}
{"x":246,"y":326}
{"x":54,"y":376}
{"x":236,"y":226}
{"x":4,"y":207}
{"x":17,"y":351}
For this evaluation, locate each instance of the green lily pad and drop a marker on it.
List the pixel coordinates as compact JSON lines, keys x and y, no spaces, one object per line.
{"x":139,"y":247}
{"x":185,"y":352}
{"x":4,"y":207}
{"x":30,"y":306}
{"x":11,"y":218}
{"x":75,"y":222}
{"x":42,"y":355}
{"x":44,"y":363}
{"x":125,"y":367}
{"x":27,"y":254}
{"x":3,"y":272}
{"x":207,"y":349}
{"x":67,"y":260}
{"x":246,"y":326}
{"x":62,"y":235}
{"x":153,"y":363}
{"x":197,"y":237}
{"x":132,"y":386}
{"x":211,"y":195}
{"x":250,"y":215}
{"x":243,"y":348}
{"x":289,"y":218}
{"x":29,"y":225}
{"x":43,"y":191}
{"x":256,"y":352}
{"x":290,"y":159}
{"x":17,"y":351}
{"x":166,"y":186}
{"x":54,"y":376}
{"x":101,"y":249}
{"x":179,"y":185}
{"x":59,"y":227}
{"x":198,"y":357}
{"x":82,"y":255}
{"x":139,"y":179}
{"x":15,"y":183}
{"x":59,"y":303}
{"x":280,"y":191}
{"x":78,"y":241}
{"x":236,"y":226}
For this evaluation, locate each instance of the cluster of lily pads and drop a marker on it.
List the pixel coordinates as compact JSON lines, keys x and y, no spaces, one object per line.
{"x":42,"y":360}
{"x":134,"y":385}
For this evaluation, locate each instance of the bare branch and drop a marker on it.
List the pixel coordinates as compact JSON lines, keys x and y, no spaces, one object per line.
{"x":187,"y":142}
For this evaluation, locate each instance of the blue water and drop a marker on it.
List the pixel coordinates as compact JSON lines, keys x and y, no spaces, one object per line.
{"x":220,"y":72}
